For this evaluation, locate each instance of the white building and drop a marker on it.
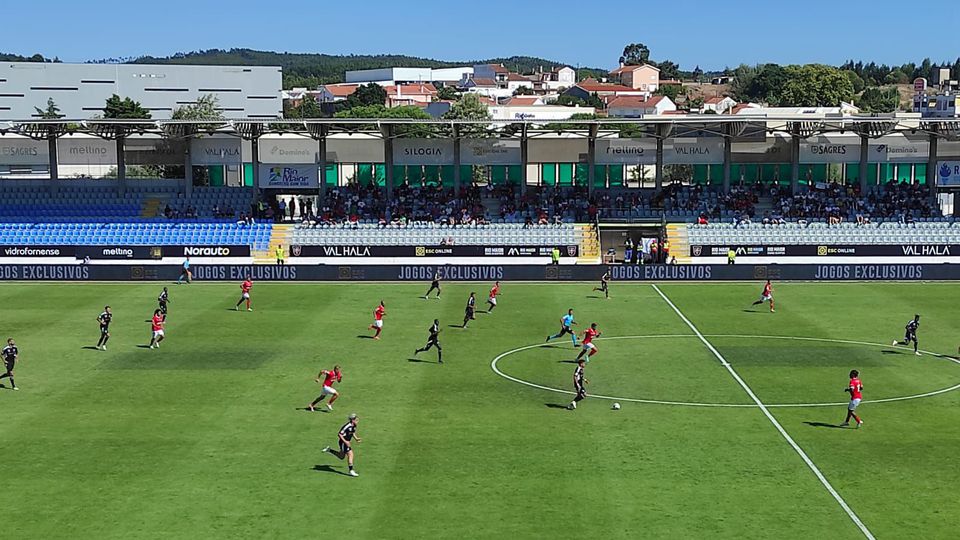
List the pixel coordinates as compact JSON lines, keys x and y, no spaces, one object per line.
{"x":718,"y":105}
{"x":943,"y":105}
{"x":81,"y":90}
{"x":404,"y":75}
{"x":638,"y":107}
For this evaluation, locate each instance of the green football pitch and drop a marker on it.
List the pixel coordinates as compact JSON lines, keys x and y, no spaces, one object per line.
{"x":207,"y":437}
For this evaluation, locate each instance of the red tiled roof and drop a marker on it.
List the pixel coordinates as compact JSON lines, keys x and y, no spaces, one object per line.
{"x":623,"y":69}
{"x":341,"y":90}
{"x":714,"y":100}
{"x":483,"y":81}
{"x":412,"y":89}
{"x":634,"y":102}
{"x":593,"y":86}
{"x":523,"y":100}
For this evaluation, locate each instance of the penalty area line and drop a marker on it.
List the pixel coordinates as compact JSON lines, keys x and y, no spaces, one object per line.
{"x":783,"y":432}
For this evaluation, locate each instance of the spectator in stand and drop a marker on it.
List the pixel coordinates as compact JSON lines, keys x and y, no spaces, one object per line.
{"x":654,"y":251}
{"x":292,"y":207}
{"x":702,"y":220}
{"x":628,"y":252}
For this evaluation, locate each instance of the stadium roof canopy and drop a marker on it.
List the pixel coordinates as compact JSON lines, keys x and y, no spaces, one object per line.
{"x":653,"y":126}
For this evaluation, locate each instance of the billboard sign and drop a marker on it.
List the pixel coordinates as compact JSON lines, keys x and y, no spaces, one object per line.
{"x":490,"y":152}
{"x":626,"y":152}
{"x":423,"y":152}
{"x":304,"y":176}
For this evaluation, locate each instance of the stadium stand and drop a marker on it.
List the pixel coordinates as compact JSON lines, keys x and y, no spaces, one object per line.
{"x":256,"y":235}
{"x":429,"y":234}
{"x":757,"y":234}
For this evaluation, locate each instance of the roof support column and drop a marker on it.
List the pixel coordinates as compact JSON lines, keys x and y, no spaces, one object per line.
{"x":727,"y":157}
{"x":52,"y":151}
{"x":932,"y":172}
{"x":255,"y":150}
{"x":456,"y":159}
{"x":658,"y":172}
{"x":864,"y":157}
{"x":523,"y":160}
{"x":387,"y":131}
{"x":591,"y":157}
{"x":795,"y":159}
{"x":188,"y":169}
{"x":121,"y":166}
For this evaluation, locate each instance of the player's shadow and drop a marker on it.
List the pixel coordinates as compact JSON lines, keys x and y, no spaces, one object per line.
{"x":824,"y":425}
{"x":892,"y":351}
{"x":555,"y":406}
{"x":364,"y":336}
{"x":316,"y":409}
{"x":566,"y":361}
{"x":751,"y":311}
{"x":454,"y":326}
{"x":143,"y":346}
{"x":420,"y":361}
{"x":91,"y":348}
{"x":329,"y":469}
{"x":593,"y":296}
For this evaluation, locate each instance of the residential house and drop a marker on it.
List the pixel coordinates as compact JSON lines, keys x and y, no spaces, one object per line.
{"x":410,"y":94}
{"x":718,"y":105}
{"x":642,"y":77}
{"x":333,"y":93}
{"x":605,"y":91}
{"x":638,"y":106}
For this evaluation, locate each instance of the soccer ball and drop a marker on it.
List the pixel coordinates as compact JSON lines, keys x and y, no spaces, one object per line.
{"x":616,"y":406}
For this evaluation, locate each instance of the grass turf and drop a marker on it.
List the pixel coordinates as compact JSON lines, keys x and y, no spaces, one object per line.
{"x":206,"y":438}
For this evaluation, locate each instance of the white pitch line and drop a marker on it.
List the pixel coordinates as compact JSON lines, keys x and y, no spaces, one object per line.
{"x":495,"y":366}
{"x":783,"y":432}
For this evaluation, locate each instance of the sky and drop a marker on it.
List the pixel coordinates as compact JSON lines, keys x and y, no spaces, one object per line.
{"x":590,"y":34}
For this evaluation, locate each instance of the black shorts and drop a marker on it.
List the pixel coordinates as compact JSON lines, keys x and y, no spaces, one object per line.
{"x":435,"y":285}
{"x":909,"y":336}
{"x":565,"y":330}
{"x":163,"y":308}
{"x":344,"y":448}
{"x":9,"y":364}
{"x":104,"y":330}
{"x":581,"y":391}
{"x":470,"y":312}
{"x":433,"y":343}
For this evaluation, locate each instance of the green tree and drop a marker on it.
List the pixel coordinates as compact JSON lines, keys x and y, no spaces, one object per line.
{"x":697,"y":74}
{"x":469,"y":107}
{"x":523,"y":91}
{"x":308,"y":107}
{"x":671,"y":91}
{"x":855,"y":80}
{"x":367,"y":94}
{"x":124,"y":108}
{"x":205,"y":108}
{"x":447,"y":93}
{"x":52,"y":112}
{"x":896,"y":76}
{"x":564,"y":126}
{"x":814,"y":85}
{"x":879,"y":100}
{"x":407,"y":111}
{"x":742,"y":84}
{"x":668,"y":70}
{"x":635,"y":54}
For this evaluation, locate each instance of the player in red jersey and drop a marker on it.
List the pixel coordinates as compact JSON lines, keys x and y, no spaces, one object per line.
{"x":245,"y":294}
{"x":492,"y":300}
{"x":766,"y":296}
{"x":378,"y":320}
{"x":329,"y":377}
{"x":855,"y":388}
{"x":156,"y":324}
{"x":587,"y":342}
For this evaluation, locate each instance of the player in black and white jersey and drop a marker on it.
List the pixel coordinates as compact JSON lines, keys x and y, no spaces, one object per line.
{"x":579,"y":384}
{"x":910,"y":334}
{"x":469,"y":313}
{"x":346,"y":436}
{"x":604,"y":285}
{"x":162,"y":301}
{"x":434,"y":285}
{"x":104,"y":319}
{"x":10,"y":354}
{"x":433,"y":341}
